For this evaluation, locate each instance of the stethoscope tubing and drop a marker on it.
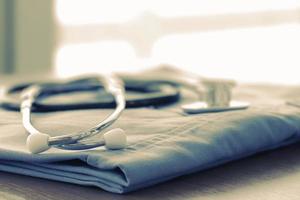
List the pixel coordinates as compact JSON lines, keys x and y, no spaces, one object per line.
{"x":155,"y":93}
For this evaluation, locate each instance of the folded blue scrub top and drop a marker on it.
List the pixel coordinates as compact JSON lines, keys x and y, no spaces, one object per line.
{"x":163,"y":143}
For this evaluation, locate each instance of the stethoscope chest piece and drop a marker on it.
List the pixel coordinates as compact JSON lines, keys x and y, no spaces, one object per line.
{"x":216,"y":98}
{"x":203,"y":107}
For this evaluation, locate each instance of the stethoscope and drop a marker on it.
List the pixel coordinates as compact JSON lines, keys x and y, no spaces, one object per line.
{"x":154,"y":93}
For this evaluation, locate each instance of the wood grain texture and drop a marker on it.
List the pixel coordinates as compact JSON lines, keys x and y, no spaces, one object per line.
{"x":269,"y":175}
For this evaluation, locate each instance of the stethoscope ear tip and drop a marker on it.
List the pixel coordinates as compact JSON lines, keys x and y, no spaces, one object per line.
{"x":115,"y":139}
{"x":37,"y":143}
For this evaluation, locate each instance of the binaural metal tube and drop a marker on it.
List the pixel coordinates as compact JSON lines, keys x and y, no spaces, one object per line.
{"x":71,"y":141}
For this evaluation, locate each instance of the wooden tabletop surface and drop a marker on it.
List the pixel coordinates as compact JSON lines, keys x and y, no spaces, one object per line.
{"x":269,"y":175}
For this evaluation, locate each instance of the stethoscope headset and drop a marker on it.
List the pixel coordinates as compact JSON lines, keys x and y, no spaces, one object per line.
{"x":114,"y":91}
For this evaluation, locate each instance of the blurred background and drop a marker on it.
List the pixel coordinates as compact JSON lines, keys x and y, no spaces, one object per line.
{"x":247,"y":40}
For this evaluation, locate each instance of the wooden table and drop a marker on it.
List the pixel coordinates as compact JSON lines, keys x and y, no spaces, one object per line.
{"x":269,"y":175}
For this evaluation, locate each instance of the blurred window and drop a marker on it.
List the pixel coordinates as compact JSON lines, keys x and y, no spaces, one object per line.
{"x":255,"y":40}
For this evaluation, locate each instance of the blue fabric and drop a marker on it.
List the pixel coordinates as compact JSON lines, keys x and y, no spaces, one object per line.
{"x":163,"y":144}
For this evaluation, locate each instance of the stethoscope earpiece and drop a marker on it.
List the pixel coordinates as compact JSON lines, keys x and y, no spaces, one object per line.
{"x":115,"y":139}
{"x":37,"y":142}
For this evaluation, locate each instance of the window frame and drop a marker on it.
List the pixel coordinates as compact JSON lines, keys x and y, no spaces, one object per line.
{"x":28,"y":43}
